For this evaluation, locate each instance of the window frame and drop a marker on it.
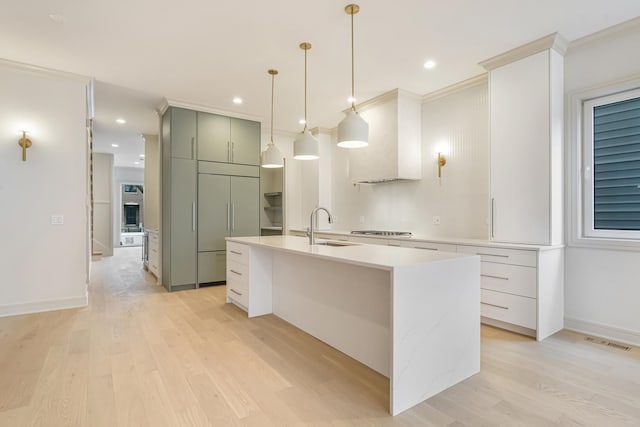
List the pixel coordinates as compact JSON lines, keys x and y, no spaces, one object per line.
{"x":580,"y":190}
{"x":588,"y":168}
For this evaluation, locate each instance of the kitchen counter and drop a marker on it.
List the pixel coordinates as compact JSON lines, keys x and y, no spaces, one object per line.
{"x":411,"y":315}
{"x":426,"y":239}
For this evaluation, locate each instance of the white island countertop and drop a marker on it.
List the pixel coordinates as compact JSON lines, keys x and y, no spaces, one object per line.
{"x":366,"y":255}
{"x":412,"y":315}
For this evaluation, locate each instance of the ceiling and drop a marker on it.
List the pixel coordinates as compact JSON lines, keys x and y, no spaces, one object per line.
{"x":207,"y":52}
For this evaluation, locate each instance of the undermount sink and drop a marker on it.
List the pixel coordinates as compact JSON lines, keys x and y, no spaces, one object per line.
{"x":335,"y":244}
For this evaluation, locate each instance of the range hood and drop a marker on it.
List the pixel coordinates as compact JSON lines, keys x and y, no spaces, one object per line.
{"x":395,"y":147}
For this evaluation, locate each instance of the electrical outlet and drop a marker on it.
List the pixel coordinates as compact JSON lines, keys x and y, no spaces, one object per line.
{"x":436,"y":220}
{"x":57,"y":219}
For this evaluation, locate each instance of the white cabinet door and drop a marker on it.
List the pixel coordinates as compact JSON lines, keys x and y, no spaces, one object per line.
{"x":521,"y":150}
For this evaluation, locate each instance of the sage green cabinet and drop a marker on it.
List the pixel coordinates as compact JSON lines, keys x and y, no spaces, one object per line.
{"x":228,"y":139}
{"x":183,"y":133}
{"x":179,"y":224}
{"x":228,"y":206}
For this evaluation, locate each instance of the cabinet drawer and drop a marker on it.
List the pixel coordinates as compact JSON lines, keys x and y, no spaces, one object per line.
{"x":504,"y":256}
{"x":424,"y":245}
{"x":238,"y":283}
{"x":512,"y":279}
{"x":508,"y":308}
{"x":238,"y":252}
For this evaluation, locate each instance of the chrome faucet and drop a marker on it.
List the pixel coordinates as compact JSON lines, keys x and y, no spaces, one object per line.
{"x":312,"y":239}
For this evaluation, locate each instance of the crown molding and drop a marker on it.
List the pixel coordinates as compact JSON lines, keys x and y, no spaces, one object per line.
{"x":480,"y":79}
{"x":392,"y":94}
{"x":167,"y":102}
{"x":318,"y":130}
{"x":553,"y":41}
{"x":43,"y":71}
{"x":608,"y":33}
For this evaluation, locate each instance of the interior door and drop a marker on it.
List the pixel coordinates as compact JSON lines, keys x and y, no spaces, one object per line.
{"x":214,"y":211}
{"x":245,"y":206}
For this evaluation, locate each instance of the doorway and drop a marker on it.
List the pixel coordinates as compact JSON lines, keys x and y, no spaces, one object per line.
{"x":131,"y":214}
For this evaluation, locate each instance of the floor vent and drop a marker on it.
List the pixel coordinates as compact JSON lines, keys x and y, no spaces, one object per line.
{"x":608,"y":343}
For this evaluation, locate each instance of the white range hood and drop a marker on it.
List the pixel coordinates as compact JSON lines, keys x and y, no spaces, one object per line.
{"x":395,"y":147}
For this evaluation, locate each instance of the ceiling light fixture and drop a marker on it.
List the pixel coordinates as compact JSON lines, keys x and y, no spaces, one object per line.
{"x":115,"y":145}
{"x":305,"y":146}
{"x":271,"y":156}
{"x":430,"y":64}
{"x":353,"y":131}
{"x":121,"y":121}
{"x":237,"y":100}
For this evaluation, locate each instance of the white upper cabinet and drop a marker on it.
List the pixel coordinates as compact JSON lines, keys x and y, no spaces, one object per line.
{"x":526,"y":128}
{"x":394,"y":151}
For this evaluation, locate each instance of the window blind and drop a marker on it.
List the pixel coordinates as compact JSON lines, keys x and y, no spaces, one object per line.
{"x":616,"y":167}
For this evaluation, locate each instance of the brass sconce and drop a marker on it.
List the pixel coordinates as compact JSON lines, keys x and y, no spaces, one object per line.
{"x":25,"y":143}
{"x":441,"y":162}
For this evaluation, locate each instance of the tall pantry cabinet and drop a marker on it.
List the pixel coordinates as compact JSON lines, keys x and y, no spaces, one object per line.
{"x":211,"y":187}
{"x":526,"y":132}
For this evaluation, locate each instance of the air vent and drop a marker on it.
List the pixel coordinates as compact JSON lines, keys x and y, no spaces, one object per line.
{"x":608,"y":343}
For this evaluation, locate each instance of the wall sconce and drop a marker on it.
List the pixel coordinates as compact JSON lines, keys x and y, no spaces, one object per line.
{"x":441,"y":162}
{"x":25,"y":143}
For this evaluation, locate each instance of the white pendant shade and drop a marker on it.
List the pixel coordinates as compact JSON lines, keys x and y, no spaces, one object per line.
{"x":305,"y":147}
{"x":353,"y":131}
{"x":272,"y":157}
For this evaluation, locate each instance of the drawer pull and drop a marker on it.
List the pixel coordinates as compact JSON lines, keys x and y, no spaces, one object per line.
{"x":235,"y":252}
{"x":235,"y":292}
{"x":235,"y":272}
{"x":391,"y":244}
{"x":499,"y":256}
{"x":494,"y":305}
{"x":426,"y":249}
{"x":494,"y":277}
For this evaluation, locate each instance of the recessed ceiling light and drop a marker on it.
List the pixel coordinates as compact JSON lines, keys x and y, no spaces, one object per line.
{"x":430,"y":64}
{"x":115,"y":145}
{"x":121,"y":121}
{"x":302,"y":121}
{"x":237,"y":100}
{"x":136,"y":163}
{"x":351,"y":99}
{"x":141,"y":155}
{"x":57,"y":18}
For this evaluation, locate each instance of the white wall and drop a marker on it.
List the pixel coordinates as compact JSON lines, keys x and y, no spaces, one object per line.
{"x":43,"y":266}
{"x":102,"y":199}
{"x":122,"y":175}
{"x":603,"y":286}
{"x":460,"y":198}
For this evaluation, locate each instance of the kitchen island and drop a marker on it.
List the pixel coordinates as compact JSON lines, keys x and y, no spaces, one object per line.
{"x":409,"y":314}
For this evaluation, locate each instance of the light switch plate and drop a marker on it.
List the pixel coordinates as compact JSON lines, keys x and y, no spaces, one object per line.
{"x":57,"y":219}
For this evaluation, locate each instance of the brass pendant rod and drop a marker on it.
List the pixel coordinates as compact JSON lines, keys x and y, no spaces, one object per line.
{"x":353,"y":96}
{"x":305,"y":90}
{"x":273,"y":79}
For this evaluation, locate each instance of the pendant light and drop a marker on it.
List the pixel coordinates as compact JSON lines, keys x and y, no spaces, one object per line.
{"x":305,"y":146}
{"x":353,"y":131}
{"x":272,"y":157}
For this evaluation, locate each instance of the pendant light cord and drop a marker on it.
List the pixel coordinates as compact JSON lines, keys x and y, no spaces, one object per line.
{"x":353,"y":97}
{"x":273,"y":78}
{"x":305,"y":90}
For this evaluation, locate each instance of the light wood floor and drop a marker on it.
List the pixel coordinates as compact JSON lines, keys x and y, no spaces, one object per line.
{"x":139,"y":356}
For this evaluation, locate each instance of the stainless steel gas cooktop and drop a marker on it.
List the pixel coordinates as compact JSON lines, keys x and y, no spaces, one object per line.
{"x":382,"y":233}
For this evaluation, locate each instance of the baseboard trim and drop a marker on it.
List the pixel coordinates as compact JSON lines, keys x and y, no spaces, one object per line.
{"x":42,"y":306}
{"x":603,"y":331}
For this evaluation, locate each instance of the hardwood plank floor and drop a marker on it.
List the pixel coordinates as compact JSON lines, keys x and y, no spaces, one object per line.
{"x":139,"y":356}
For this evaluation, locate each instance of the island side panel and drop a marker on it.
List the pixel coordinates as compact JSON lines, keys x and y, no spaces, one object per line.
{"x":260,"y":292}
{"x":436,"y":329}
{"x":344,"y":305}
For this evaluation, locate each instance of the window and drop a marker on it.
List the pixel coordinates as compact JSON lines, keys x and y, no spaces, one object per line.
{"x":611,"y":166}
